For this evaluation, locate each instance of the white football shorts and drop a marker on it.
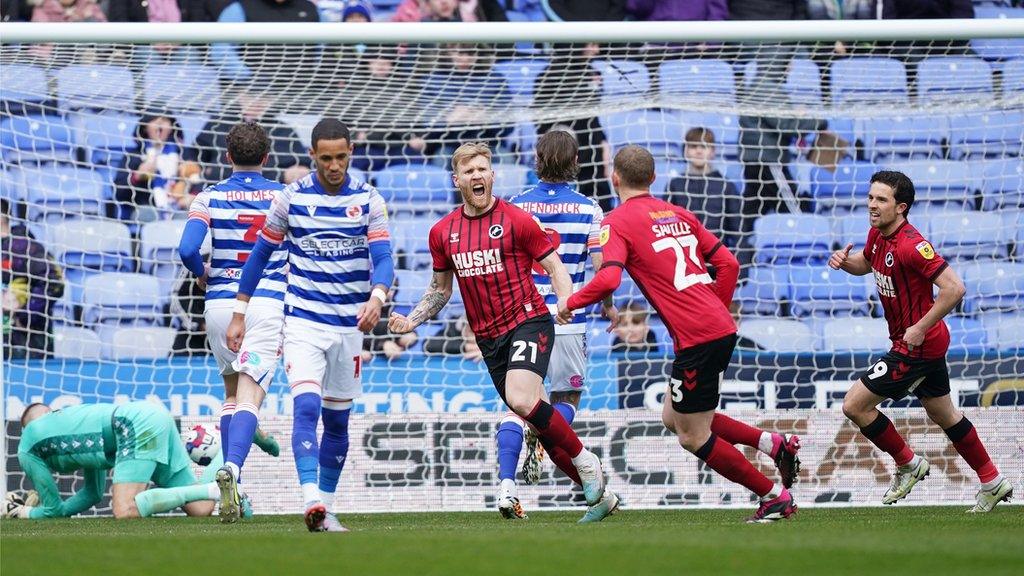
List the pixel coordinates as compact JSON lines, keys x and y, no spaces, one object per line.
{"x":323,"y":361}
{"x":261,"y":347}
{"x":567,"y":368}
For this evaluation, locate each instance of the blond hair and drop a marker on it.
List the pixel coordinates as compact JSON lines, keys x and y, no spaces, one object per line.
{"x":468,"y":151}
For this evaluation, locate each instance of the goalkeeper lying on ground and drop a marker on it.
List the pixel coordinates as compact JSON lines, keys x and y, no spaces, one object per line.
{"x":138,"y":440}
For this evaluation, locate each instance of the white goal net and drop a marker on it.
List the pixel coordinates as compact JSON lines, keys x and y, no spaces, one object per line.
{"x":772,"y":143}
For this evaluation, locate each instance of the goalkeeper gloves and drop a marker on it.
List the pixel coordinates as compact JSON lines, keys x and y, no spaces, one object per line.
{"x":20,"y":504}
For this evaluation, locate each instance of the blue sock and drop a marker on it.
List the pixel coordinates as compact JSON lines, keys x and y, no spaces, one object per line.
{"x":333,"y":448}
{"x":226,"y":410}
{"x":568,"y":411}
{"x":510,"y":442}
{"x":243,"y":426}
{"x":305,"y":415}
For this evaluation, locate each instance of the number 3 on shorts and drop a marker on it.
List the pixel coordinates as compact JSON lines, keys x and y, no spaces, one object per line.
{"x":878,"y":370}
{"x":519,"y":351}
{"x":677,"y":389}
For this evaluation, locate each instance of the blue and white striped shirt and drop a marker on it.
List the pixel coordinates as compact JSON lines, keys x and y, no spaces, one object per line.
{"x":573,"y":222}
{"x":329,"y":239}
{"x":235,"y":210}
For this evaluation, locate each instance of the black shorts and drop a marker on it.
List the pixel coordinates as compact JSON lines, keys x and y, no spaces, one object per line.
{"x":697,"y":373}
{"x":525,"y":347}
{"x":896,"y":375}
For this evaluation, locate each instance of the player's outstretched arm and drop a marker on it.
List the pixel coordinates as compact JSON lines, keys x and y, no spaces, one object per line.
{"x":608,"y":304}
{"x":951,"y":292}
{"x":561,"y":284}
{"x":50,"y":504}
{"x":88,"y":495}
{"x":856,"y":263}
{"x":433,"y":300}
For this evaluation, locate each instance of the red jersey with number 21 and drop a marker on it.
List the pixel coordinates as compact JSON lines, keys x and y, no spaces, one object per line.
{"x":905,"y":265}
{"x":664,"y":248}
{"x":492,"y":255}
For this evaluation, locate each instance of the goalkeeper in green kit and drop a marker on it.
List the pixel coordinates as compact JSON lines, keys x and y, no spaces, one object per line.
{"x":138,"y":440}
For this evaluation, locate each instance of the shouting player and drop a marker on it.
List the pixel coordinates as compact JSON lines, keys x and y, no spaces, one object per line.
{"x":491,"y":245}
{"x":234,"y":211}
{"x":666,"y":249}
{"x":336,"y":229}
{"x":906,"y":266}
{"x":572,"y":221}
{"x":138,"y":440}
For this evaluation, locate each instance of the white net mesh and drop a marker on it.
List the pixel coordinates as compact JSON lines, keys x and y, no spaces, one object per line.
{"x":98,"y":308}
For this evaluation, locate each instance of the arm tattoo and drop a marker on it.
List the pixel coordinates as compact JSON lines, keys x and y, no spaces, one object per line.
{"x":431,"y":303}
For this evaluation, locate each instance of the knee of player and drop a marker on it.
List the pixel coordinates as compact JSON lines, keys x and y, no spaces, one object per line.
{"x":851,"y":409}
{"x":690,"y":441}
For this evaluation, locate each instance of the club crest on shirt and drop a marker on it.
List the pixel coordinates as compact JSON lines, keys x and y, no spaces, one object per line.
{"x":496,"y":231}
{"x":925,"y":249}
{"x":354,"y":211}
{"x":454,"y":238}
{"x":606,"y":233}
{"x":888,"y":259}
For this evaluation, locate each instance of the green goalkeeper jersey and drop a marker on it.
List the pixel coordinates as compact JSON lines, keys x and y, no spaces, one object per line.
{"x":68,"y":440}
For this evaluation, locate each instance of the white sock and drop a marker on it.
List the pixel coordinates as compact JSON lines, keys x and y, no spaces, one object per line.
{"x":310,"y":494}
{"x":775,"y":492}
{"x":235,"y":470}
{"x":212,"y":491}
{"x":327,"y":498}
{"x":992,"y":484}
{"x":583,"y":456}
{"x":765,"y":443}
{"x":912,"y":464}
{"x":508,"y":487}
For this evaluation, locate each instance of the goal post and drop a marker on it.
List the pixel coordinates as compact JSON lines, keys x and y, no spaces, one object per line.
{"x":769,"y":131}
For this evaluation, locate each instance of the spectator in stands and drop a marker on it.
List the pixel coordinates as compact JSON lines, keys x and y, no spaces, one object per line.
{"x":67,"y":11}
{"x":913,"y":51}
{"x":926,"y":9}
{"x":156,"y":181}
{"x":456,"y":338}
{"x":187,"y":306}
{"x":584,"y":10}
{"x":675,"y":10}
{"x":450,"y":11}
{"x":634,"y":334}
{"x":380,"y":341}
{"x":463,"y":91}
{"x":767,"y":9}
{"x":570,"y":81}
{"x":261,"y":62}
{"x":289,"y":157}
{"x":703,"y":190}
{"x":32,"y":283}
{"x":15,"y":11}
{"x":144,"y":11}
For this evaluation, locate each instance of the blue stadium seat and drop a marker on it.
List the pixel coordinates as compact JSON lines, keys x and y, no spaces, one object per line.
{"x":664,"y":172}
{"x":1002,"y":183}
{"x":726,"y":128}
{"x":966,"y":335}
{"x":599,"y":340}
{"x":9,"y":188}
{"x":918,"y":136}
{"x":821,"y":291}
{"x":87,"y":247}
{"x":182,"y":87}
{"x":140,"y":343}
{"x":778,"y":335}
{"x":660,"y":131}
{"x":847,"y":187}
{"x":710,"y":82}
{"x":96,"y":87}
{"x":987,"y":134}
{"x":35,"y":138}
{"x":107,"y":137}
{"x":945,"y":79}
{"x":23,"y":84}
{"x":1004,"y":331}
{"x":785,"y":238}
{"x":763,"y":292}
{"x":520,"y":76}
{"x":56,"y":192}
{"x":76,"y":343}
{"x":417,"y":187}
{"x":1013,"y":78}
{"x":628,"y":292}
{"x":940,"y":181}
{"x":1000,"y":48}
{"x":123,"y":298}
{"x":158,"y":251}
{"x":409,"y":233}
{"x":856,"y":335}
{"x":966,"y":235}
{"x":803,"y":81}
{"x":993,"y":286}
{"x":509,"y":179}
{"x":868,"y":79}
{"x":411,"y":285}
{"x":622,"y":79}
{"x":853,"y":229}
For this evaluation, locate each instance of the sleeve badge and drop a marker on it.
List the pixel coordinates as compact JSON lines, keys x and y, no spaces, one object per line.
{"x":925,"y":249}
{"x":605,"y":235}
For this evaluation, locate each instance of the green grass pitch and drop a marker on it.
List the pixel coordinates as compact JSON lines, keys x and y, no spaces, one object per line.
{"x":898,"y":540}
